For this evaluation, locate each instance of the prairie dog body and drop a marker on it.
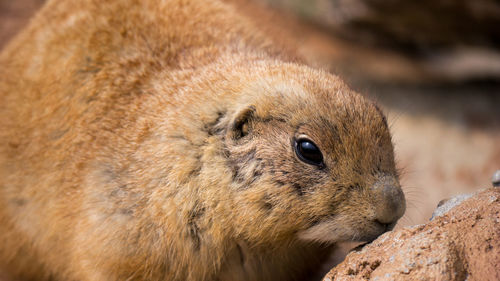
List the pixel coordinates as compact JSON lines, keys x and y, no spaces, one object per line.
{"x":170,"y":140}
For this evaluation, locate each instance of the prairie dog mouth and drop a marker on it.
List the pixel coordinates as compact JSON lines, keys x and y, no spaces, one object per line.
{"x":331,"y":231}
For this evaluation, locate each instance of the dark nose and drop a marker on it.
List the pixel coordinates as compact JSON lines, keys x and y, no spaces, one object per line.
{"x":389,"y":200}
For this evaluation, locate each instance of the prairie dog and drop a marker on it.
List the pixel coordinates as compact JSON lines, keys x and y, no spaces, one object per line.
{"x":171,"y":140}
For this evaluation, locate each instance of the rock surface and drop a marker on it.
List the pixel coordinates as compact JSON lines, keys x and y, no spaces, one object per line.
{"x":461,"y":243}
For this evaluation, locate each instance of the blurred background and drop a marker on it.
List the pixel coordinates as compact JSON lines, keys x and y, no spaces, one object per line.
{"x":433,"y":65}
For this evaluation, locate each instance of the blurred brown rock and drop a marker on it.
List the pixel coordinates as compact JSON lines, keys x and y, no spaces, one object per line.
{"x":13,"y":16}
{"x":413,"y":25}
{"x":462,"y":242}
{"x":446,"y":40}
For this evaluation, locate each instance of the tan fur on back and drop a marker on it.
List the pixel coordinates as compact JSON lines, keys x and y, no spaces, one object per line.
{"x":120,"y":158}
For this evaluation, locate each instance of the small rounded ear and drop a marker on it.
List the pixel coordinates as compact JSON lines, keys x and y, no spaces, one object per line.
{"x":240,"y":124}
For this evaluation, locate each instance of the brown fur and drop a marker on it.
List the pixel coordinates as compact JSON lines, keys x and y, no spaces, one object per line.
{"x":152,"y":140}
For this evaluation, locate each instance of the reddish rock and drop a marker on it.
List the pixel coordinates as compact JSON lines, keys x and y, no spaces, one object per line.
{"x":462,"y":242}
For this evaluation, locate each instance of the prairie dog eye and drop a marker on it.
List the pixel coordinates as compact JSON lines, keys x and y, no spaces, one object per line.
{"x":308,"y":152}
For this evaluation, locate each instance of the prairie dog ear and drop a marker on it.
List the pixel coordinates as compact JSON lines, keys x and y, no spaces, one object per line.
{"x":239,"y":127}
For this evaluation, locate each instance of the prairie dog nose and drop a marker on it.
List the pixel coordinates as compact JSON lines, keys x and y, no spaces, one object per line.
{"x":389,"y":200}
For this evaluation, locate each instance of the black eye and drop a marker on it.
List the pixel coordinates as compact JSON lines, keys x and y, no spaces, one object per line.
{"x":308,"y":152}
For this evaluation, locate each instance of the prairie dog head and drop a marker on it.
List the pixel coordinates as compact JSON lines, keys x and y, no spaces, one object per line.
{"x":309,"y":159}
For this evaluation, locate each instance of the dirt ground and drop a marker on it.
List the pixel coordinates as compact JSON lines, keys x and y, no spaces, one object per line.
{"x":446,"y":135}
